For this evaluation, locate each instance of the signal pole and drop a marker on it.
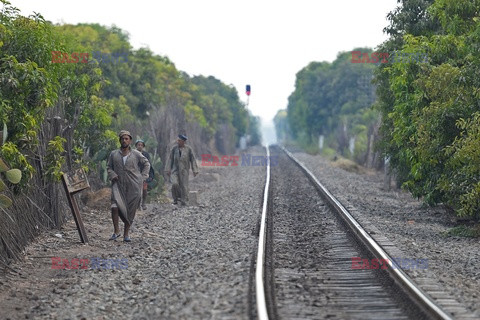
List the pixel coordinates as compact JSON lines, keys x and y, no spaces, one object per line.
{"x":245,"y":138}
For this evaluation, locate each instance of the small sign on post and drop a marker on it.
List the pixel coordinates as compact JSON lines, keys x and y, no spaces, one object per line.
{"x":73,"y":182}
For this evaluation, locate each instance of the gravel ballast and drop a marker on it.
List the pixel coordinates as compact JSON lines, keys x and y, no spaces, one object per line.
{"x":312,"y":250}
{"x":183,"y":262}
{"x":417,"y":230}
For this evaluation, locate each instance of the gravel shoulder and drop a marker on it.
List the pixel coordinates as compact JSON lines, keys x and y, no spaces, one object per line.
{"x":183,"y":263}
{"x":416,"y":230}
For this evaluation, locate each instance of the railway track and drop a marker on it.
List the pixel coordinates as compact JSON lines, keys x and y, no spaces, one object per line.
{"x":304,"y":268}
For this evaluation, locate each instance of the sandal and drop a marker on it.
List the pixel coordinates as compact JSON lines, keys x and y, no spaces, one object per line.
{"x":127,"y":239}
{"x":115,"y":236}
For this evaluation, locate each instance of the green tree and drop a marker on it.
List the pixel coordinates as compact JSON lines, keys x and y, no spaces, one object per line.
{"x":331,"y":99}
{"x":429,"y":108}
{"x":223,"y":104}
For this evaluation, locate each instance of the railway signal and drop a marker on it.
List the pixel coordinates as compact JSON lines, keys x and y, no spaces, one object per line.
{"x":247,"y":91}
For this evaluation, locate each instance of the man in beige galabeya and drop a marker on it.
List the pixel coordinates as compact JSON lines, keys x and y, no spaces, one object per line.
{"x":123,"y":169}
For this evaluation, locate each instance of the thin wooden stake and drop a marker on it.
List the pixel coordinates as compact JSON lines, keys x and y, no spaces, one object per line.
{"x":76,"y":212}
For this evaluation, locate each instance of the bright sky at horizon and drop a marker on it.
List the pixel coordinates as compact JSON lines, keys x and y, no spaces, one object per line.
{"x":261,"y":43}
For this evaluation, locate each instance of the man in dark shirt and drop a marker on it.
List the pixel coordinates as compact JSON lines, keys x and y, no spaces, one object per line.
{"x":140,"y":145}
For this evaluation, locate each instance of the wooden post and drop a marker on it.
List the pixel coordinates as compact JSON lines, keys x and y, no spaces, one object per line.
{"x":74,"y":182}
{"x":387,"y":180}
{"x":370,"y":152}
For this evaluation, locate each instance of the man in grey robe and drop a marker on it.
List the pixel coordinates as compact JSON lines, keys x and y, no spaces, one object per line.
{"x":180,"y":159}
{"x":123,"y":169}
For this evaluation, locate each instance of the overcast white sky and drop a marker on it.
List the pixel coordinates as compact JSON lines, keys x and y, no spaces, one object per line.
{"x":263,"y":43}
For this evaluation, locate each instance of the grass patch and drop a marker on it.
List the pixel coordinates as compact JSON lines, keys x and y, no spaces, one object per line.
{"x":312,"y":149}
{"x":464,"y":231}
{"x":329,"y":153}
{"x":348,"y":165}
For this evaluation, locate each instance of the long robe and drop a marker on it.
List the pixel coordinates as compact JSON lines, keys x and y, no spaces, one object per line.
{"x":179,"y":164}
{"x":130,"y":179}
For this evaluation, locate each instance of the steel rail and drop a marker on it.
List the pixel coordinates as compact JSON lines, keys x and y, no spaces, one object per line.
{"x":259,"y":273}
{"x":416,"y":293}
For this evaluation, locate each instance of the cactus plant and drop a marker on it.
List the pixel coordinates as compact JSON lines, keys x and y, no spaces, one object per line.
{"x":12,"y":175}
{"x":3,"y":134}
{"x":5,"y":201}
{"x":104,"y":171}
{"x":3,"y":166}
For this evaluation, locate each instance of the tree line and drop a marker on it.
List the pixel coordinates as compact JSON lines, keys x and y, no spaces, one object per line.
{"x":332,"y":102}
{"x":67,"y":90}
{"x":428,"y":109}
